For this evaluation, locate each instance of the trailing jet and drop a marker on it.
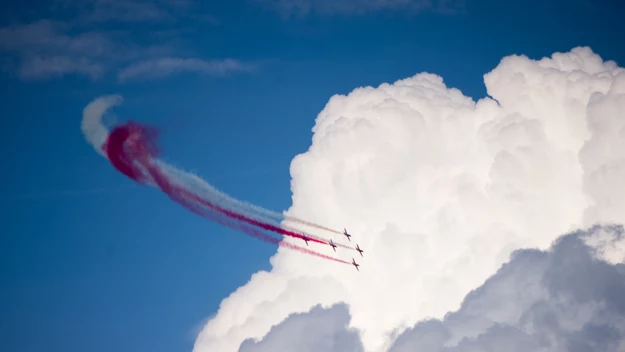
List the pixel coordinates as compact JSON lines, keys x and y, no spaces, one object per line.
{"x":359,"y":250}
{"x":347,"y":235}
{"x":305,"y":239}
{"x":354,"y":264}
{"x":332,"y":244}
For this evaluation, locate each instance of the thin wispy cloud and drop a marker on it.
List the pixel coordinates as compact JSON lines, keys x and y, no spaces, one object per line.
{"x":45,"y":48}
{"x":50,"y":36}
{"x":49,"y":48}
{"x":168,"y":66}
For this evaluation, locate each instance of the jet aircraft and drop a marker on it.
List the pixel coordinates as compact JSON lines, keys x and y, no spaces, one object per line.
{"x":359,"y":250}
{"x":305,"y":239}
{"x":354,"y":264}
{"x":347,"y":235}
{"x":333,"y":245}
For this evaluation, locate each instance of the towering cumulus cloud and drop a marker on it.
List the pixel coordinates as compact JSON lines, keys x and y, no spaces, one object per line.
{"x":439,"y":190}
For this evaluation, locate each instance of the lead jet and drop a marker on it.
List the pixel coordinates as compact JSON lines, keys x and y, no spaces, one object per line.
{"x":332,"y":244}
{"x":359,"y":250}
{"x":347,"y":235}
{"x":354,"y":264}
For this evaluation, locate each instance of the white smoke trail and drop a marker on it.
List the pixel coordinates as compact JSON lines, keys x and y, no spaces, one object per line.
{"x":199,"y":186}
{"x":92,"y":128}
{"x":203,"y":187}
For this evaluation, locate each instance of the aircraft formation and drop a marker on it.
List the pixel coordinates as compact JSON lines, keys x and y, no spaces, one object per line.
{"x":333,"y":245}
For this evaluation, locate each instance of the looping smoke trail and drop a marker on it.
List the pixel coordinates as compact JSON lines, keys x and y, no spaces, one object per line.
{"x":131,"y":149}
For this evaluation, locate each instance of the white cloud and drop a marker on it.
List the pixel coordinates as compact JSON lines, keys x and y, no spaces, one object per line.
{"x":563,"y":299}
{"x":167,"y":66}
{"x":439,"y":190}
{"x":299,"y":8}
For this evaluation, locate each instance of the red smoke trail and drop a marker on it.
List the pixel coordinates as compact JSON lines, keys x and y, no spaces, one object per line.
{"x":130,"y":149}
{"x":251,"y":221}
{"x":254,"y":232}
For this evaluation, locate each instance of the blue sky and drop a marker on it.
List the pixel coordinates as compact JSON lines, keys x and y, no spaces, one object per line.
{"x":90,"y":261}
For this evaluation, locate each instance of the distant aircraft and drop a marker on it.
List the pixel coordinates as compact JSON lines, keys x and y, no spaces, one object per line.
{"x":346,"y":234}
{"x":305,"y":239}
{"x":354,"y":264}
{"x":359,"y":250}
{"x":333,"y":245}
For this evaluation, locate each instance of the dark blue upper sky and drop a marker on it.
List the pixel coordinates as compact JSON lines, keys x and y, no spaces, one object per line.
{"x":88,"y":260}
